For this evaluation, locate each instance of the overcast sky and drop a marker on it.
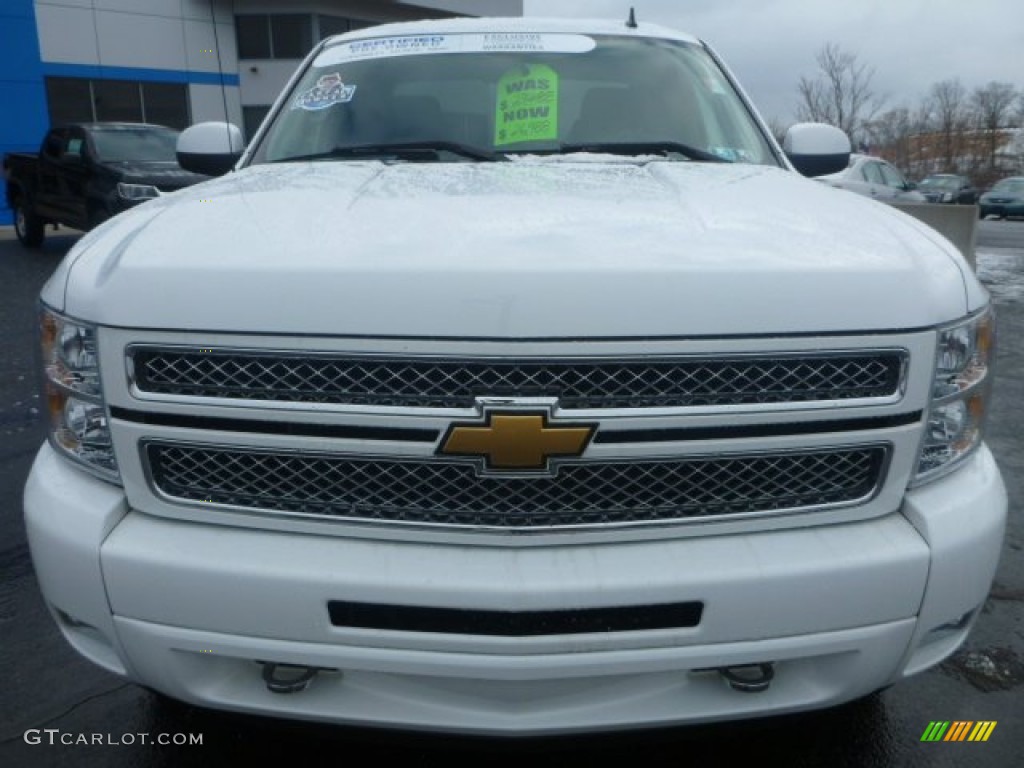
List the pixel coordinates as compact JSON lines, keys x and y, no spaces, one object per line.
{"x":769,"y":44}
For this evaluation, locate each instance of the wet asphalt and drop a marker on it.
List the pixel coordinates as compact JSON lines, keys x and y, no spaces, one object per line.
{"x":47,"y":691}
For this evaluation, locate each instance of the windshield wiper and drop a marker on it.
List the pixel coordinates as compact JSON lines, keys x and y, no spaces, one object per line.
{"x":411,"y":150}
{"x":644,"y":148}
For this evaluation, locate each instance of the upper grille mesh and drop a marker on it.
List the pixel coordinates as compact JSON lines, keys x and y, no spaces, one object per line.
{"x":455,"y":383}
{"x":452,"y":493}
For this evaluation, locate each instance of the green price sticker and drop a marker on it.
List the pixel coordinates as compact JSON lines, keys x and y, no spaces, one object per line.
{"x":527,"y":108}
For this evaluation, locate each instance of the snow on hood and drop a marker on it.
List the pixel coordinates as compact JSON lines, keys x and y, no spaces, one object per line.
{"x":572,"y":247}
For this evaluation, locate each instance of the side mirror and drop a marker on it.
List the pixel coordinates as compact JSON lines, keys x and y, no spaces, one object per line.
{"x":911,"y":185}
{"x":816,"y":149}
{"x":210,"y":148}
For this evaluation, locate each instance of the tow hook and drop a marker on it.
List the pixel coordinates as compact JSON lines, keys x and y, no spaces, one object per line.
{"x":749,"y":678}
{"x":289,"y":678}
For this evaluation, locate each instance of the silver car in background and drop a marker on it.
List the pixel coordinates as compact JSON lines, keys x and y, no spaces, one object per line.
{"x":874,"y":177}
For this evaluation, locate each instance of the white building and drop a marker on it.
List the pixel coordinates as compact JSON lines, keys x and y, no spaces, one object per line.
{"x":173,"y":62}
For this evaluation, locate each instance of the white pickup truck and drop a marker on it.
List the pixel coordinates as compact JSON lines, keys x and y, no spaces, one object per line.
{"x":514,"y":381}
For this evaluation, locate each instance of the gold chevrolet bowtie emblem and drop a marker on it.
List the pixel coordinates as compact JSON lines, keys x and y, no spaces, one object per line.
{"x":516,"y":441}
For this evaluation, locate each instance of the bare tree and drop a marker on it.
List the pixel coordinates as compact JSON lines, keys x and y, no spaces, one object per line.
{"x":841,"y":94}
{"x":891,"y":133}
{"x":979,"y":134}
{"x":778,"y":128}
{"x":947,"y":103}
{"x":993,"y":106}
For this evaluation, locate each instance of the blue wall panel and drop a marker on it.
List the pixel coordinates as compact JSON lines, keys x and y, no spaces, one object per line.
{"x":23,"y":114}
{"x":23,"y":106}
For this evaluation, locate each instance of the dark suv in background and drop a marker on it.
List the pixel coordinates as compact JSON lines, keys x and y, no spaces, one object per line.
{"x":948,"y":188}
{"x":1006,"y":198}
{"x":85,"y":173}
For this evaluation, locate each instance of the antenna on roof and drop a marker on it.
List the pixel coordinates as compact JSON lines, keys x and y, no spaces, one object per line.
{"x":220,"y":73}
{"x":631,"y":21}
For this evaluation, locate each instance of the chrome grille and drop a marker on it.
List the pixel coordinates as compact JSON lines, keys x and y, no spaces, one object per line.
{"x":455,"y":383}
{"x":451,"y":493}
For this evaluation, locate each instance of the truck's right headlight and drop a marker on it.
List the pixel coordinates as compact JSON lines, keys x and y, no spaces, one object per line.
{"x":961,"y":391}
{"x":79,"y":426}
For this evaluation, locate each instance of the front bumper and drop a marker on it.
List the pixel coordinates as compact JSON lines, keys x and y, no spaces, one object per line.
{"x":189,"y":609}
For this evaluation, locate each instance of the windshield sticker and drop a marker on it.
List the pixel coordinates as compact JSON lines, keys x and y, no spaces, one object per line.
{"x":328,"y":91}
{"x":527,"y":105}
{"x":529,"y":42}
{"x":731,"y":154}
{"x":414,"y":45}
{"x":397,"y":46}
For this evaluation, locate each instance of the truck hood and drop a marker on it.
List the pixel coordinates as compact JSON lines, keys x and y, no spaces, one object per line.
{"x":554,"y":247}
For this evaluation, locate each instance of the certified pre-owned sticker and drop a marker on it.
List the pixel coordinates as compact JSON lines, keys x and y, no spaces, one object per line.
{"x":328,"y":91}
{"x":415,"y":45}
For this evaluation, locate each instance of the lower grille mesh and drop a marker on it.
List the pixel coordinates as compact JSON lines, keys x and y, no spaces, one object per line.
{"x":452,"y":494}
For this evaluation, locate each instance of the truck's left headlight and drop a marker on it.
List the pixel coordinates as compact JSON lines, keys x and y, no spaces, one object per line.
{"x":961,"y":391}
{"x":79,"y":426}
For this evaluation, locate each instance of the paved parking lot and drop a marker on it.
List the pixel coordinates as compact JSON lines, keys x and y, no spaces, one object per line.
{"x":47,"y":686}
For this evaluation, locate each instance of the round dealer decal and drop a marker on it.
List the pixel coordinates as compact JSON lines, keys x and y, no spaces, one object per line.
{"x":328,"y":91}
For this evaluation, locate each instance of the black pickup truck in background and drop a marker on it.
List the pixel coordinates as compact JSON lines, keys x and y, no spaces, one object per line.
{"x":87,"y":172}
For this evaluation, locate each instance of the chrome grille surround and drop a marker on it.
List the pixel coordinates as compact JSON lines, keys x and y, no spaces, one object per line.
{"x":585,"y":383}
{"x":659,"y":434}
{"x":450,"y":493}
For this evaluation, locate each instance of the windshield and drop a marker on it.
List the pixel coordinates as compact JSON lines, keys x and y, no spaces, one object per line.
{"x":485,"y":96}
{"x":1010,"y":186}
{"x":941,"y":182}
{"x":134,"y":144}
